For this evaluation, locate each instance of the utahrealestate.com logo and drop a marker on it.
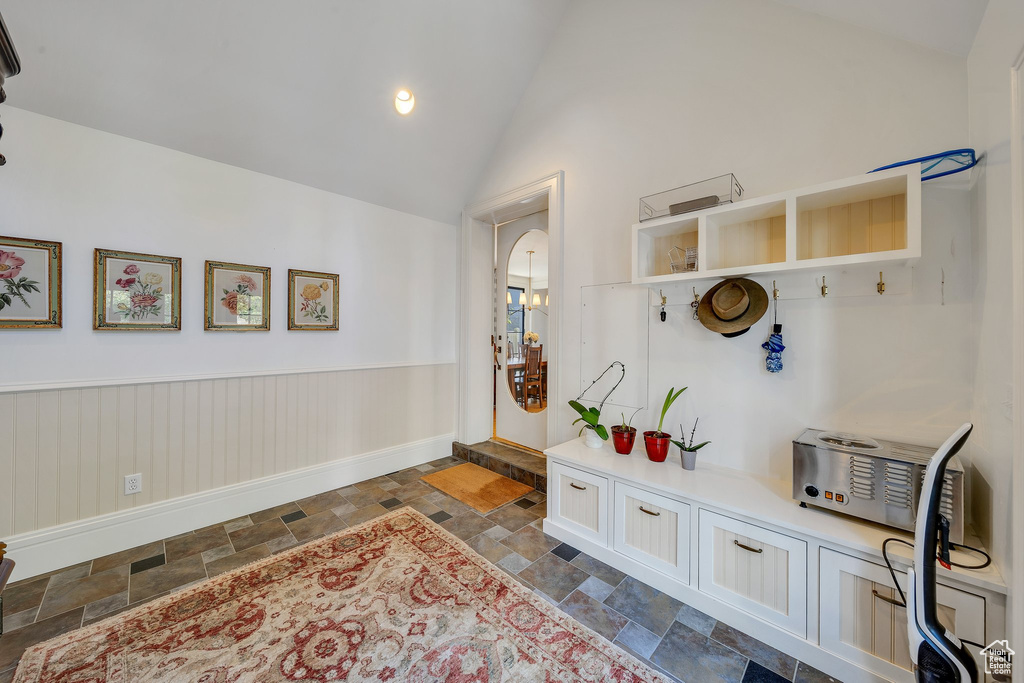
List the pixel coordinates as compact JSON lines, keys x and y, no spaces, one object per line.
{"x":998,"y":658}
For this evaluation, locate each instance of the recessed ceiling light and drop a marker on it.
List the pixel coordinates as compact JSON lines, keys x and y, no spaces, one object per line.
{"x":404,"y":102}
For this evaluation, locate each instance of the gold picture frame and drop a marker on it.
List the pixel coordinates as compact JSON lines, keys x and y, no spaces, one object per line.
{"x":307,"y":310}
{"x":135,"y":291}
{"x":236,"y":297}
{"x":30,"y":284}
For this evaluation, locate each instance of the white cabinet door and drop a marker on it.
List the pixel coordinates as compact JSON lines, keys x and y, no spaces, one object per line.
{"x":860,"y":622}
{"x":758,"y":570}
{"x":653,"y":529}
{"x":579,"y":502}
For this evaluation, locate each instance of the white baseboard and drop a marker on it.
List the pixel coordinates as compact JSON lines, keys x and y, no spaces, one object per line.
{"x":38,"y":552}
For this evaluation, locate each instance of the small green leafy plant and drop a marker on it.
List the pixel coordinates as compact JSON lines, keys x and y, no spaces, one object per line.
{"x":669,"y":400}
{"x":689,"y":447}
{"x":626,"y":424}
{"x":591,"y":417}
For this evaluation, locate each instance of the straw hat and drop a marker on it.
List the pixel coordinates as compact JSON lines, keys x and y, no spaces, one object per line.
{"x":732,"y":306}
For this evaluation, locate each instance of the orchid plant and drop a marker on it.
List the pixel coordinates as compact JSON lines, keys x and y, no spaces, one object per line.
{"x":628,"y":424}
{"x":689,"y":447}
{"x":591,"y":417}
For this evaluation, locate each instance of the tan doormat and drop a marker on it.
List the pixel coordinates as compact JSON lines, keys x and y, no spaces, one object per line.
{"x":476,"y":486}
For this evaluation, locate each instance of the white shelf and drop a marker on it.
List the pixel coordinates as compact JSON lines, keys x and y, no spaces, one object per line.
{"x":866,"y":220}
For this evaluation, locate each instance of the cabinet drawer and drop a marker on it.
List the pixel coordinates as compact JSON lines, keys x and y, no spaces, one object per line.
{"x":653,"y":529}
{"x":580,"y":502}
{"x":757,"y":570}
{"x":859,"y":623}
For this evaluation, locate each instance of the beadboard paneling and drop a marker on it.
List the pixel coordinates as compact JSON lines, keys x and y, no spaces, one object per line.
{"x":580,"y":502}
{"x":856,"y":228}
{"x":68,"y":450}
{"x":762,"y":577}
{"x":657,"y":536}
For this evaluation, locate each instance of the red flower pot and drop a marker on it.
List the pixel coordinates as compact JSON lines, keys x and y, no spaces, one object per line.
{"x":656,"y":444}
{"x":623,"y":439}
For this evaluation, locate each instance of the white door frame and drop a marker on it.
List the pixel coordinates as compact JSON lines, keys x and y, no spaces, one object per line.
{"x":1017,"y":232}
{"x":476,"y":305}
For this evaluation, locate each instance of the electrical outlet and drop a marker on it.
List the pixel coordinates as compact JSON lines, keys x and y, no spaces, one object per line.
{"x":132,"y":484}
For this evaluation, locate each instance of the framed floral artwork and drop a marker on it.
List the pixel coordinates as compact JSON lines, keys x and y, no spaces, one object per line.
{"x":312,"y":300}
{"x":134,"y":291}
{"x":237,"y":297}
{"x":30,"y":279}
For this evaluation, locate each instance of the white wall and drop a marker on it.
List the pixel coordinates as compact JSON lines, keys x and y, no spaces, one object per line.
{"x":91,"y":189}
{"x":633,"y":98}
{"x":80,"y":409}
{"x":998,"y":43}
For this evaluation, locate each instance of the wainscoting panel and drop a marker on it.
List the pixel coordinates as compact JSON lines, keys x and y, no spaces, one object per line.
{"x":64,"y":452}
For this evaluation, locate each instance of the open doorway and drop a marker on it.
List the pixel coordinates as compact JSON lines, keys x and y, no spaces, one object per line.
{"x":491,"y":288}
{"x":521,"y":305}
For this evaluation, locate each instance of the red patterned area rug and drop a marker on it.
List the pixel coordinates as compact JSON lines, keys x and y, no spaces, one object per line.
{"x":395,"y":599}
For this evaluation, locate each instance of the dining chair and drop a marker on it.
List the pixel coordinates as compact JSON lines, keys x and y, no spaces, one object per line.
{"x":515,"y":372}
{"x":533,"y":377}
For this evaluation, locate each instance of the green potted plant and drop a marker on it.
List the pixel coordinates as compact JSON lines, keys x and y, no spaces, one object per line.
{"x":594,"y":433}
{"x":624,"y":434}
{"x":688,"y":451}
{"x":656,"y":442}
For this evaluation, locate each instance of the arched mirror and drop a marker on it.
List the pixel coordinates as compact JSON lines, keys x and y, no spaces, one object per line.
{"x":526,"y":297}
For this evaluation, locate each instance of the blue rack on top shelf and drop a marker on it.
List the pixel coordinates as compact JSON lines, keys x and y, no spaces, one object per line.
{"x":938,"y":165}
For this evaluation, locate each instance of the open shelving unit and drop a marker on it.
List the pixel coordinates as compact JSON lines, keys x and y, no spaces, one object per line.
{"x":868,"y":219}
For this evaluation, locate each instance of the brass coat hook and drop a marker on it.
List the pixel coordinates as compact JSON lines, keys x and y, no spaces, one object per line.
{"x":824,"y":287}
{"x":664,"y":301}
{"x":881,"y":283}
{"x":775,"y":291}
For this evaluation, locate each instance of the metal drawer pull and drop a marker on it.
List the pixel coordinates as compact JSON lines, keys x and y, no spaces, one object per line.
{"x":578,"y":488}
{"x":747,"y":547}
{"x":652,"y":514}
{"x":886,"y":598}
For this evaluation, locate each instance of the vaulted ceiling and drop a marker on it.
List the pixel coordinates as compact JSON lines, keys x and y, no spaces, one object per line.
{"x":298,"y":90}
{"x":303,"y":90}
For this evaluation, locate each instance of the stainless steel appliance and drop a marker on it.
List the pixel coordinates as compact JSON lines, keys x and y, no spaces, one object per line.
{"x":872,"y":479}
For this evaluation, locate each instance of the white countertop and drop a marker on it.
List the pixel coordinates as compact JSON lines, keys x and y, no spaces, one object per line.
{"x":761,"y":499}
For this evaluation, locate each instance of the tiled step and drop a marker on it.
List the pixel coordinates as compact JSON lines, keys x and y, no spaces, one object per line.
{"x":522,"y":466}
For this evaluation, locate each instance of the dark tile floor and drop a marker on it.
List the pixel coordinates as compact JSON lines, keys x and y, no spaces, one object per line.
{"x":672,"y":637}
